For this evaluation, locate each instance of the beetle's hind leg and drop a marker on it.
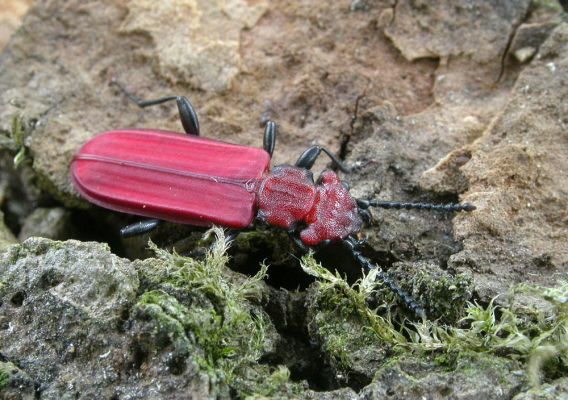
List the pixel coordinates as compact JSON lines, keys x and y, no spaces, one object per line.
{"x":139,"y":228}
{"x":310,"y":155}
{"x":187,"y":113}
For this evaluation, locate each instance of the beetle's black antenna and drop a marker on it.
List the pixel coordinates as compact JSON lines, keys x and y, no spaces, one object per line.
{"x":452,"y":207}
{"x":352,"y":243}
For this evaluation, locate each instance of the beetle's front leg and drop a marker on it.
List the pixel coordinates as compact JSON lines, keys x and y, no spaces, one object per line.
{"x":366,"y":216}
{"x":298,"y":242}
{"x":139,"y":228}
{"x":309,"y":157}
{"x":187,"y":113}
{"x":352,"y":245}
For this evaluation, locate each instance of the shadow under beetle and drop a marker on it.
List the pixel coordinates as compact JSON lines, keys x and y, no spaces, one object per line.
{"x":197,"y":181}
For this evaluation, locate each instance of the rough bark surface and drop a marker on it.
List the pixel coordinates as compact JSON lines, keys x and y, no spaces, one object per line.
{"x":428,"y":101}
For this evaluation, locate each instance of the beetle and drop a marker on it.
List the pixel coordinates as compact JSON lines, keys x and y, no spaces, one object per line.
{"x":192,"y":180}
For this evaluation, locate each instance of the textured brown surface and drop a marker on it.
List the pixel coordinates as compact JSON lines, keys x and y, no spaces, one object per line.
{"x":11,"y":13}
{"x":429,"y":102}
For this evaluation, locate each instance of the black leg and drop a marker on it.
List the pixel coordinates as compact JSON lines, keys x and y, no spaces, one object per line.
{"x":269,"y":137}
{"x":364,"y":204}
{"x":298,"y":242}
{"x":308,"y":158}
{"x":139,"y":228}
{"x":231,"y":235}
{"x":366,"y":216}
{"x":187,"y":113}
{"x":352,"y":244}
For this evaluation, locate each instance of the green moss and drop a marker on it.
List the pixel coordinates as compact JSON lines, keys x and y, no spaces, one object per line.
{"x":501,"y":330}
{"x":222,"y":322}
{"x":4,"y":378}
{"x":215,"y":315}
{"x":443,"y":296}
{"x":13,"y":141}
{"x":262,"y":382}
{"x":550,"y":4}
{"x":7,"y":369}
{"x":343,"y":323}
{"x":349,"y":333}
{"x":167,"y":313}
{"x":481,"y":373}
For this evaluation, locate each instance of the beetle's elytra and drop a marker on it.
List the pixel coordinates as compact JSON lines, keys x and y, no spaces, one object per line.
{"x":192,"y":180}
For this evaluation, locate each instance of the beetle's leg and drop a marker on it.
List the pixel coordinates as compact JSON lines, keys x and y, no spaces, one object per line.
{"x":269,"y":137}
{"x":298,"y":242}
{"x":365,"y":216}
{"x":352,"y":244}
{"x":308,"y":158}
{"x":231,"y":235}
{"x":365,"y":204}
{"x":187,"y":113}
{"x":139,"y":228}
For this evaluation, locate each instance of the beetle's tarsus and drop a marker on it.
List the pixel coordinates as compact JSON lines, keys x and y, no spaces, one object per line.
{"x":187,"y":113}
{"x":139,"y":228}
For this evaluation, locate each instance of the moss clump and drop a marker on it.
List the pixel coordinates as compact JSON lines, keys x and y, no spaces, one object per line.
{"x":169,"y":316}
{"x":481,"y":375}
{"x":222,"y":326}
{"x":213,"y":313}
{"x":7,"y":371}
{"x":541,"y":343}
{"x":443,"y":296}
{"x":353,"y":337}
{"x":4,"y":378}
{"x":262,"y":382}
{"x":14,"y":141}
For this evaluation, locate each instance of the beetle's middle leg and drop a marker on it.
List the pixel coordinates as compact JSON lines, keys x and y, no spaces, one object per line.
{"x":309,"y":157}
{"x":269,"y":140}
{"x":187,"y":113}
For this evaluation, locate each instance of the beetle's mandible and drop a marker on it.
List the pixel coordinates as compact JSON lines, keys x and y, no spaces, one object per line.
{"x":192,"y":180}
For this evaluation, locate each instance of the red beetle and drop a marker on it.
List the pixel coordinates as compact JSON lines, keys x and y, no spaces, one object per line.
{"x":193,"y":180}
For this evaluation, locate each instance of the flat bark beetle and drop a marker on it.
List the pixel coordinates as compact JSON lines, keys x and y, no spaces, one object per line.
{"x":188,"y":179}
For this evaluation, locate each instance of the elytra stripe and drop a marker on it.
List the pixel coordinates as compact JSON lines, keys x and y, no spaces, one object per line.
{"x":250,"y":185}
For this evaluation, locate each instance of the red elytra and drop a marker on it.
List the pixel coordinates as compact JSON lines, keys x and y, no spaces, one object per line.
{"x":174,"y":177}
{"x":193,"y":180}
